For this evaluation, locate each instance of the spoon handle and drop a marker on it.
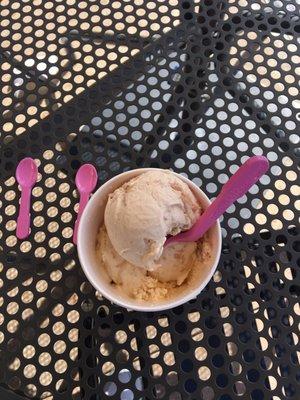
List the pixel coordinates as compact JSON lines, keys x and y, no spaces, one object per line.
{"x":84,"y":198}
{"x":238,"y":185}
{"x":23,"y":221}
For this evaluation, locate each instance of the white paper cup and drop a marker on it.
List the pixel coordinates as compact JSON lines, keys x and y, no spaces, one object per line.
{"x":92,"y":219}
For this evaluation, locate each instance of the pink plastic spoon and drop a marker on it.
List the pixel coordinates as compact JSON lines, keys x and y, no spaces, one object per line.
{"x":26,"y":175}
{"x":86,"y":180}
{"x":238,"y":185}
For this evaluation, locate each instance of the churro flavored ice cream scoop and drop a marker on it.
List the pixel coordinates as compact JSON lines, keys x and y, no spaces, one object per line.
{"x":138,"y":217}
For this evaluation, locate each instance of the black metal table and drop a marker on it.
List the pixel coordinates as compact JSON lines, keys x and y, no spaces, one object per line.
{"x":195,"y":86}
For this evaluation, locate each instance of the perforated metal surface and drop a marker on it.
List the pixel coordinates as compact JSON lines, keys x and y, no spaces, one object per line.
{"x":193,"y":86}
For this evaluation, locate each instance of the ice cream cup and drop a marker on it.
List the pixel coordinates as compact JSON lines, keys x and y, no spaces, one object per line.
{"x":90,"y":223}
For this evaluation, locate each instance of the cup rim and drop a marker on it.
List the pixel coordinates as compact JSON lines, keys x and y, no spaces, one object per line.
{"x":96,"y":197}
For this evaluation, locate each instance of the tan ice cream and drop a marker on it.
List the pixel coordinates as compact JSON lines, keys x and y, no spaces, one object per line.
{"x":141,"y":213}
{"x":179,"y":267}
{"x":138,"y":217}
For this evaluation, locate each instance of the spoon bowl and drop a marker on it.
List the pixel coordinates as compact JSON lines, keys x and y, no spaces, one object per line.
{"x":86,"y":178}
{"x":27,"y":173}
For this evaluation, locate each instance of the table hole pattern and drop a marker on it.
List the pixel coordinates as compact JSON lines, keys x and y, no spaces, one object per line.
{"x":193,"y":86}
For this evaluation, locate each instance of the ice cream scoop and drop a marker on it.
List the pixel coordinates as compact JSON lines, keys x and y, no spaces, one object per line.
{"x":238,"y":185}
{"x":26,"y":175}
{"x":142,"y":212}
{"x":86,"y":180}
